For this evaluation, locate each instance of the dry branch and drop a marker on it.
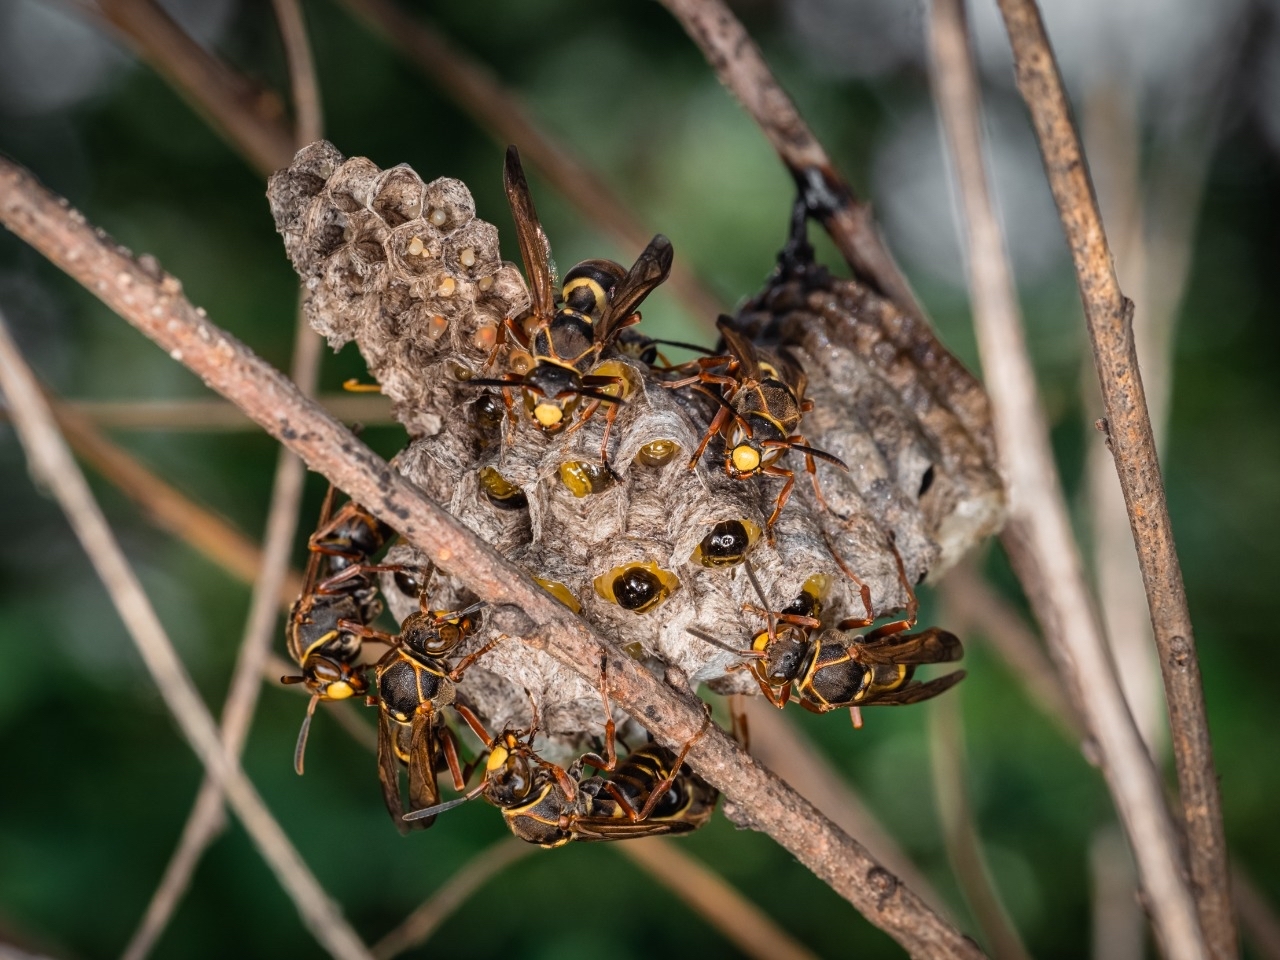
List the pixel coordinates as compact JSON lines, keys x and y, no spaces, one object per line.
{"x":152,"y":301}
{"x":1108,"y":315}
{"x":245,"y":115}
{"x":209,"y":413}
{"x":51,"y":461}
{"x":507,"y":120}
{"x":1037,"y":502}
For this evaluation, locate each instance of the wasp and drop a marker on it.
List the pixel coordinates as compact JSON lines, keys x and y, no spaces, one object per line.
{"x":414,"y":683}
{"x":834,"y":669}
{"x":563,"y":338}
{"x":339,"y":594}
{"x":650,"y":793}
{"x":761,"y":401}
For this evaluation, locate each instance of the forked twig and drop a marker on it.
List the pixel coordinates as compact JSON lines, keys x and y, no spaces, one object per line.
{"x":1037,"y":503}
{"x":52,"y":462}
{"x":153,"y":303}
{"x":1108,"y":314}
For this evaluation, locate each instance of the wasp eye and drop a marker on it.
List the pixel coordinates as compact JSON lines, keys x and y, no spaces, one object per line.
{"x":502,"y":493}
{"x":657,"y":453}
{"x":726,"y":544}
{"x":638,"y":587}
{"x":585,"y":477}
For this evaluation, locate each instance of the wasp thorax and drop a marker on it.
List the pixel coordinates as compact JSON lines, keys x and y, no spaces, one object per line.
{"x":638,"y":587}
{"x":585,"y":477}
{"x":727,"y":543}
{"x":560,"y":592}
{"x":657,"y":453}
{"x":501,"y":491}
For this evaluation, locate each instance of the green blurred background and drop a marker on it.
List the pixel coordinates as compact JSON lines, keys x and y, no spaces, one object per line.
{"x":97,"y":782}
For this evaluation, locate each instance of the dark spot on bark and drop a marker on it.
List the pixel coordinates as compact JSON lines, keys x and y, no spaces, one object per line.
{"x":1179,"y":651}
{"x":926,"y":481}
{"x":288,"y":433}
{"x":883,"y":885}
{"x":651,"y":712}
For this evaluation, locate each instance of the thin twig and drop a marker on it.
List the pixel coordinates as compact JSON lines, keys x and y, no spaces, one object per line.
{"x":505,"y":117}
{"x":418,"y":927}
{"x":1260,"y":923}
{"x":740,"y":67}
{"x":245,"y":115}
{"x":1108,"y":314}
{"x":779,"y":745}
{"x":1037,"y":503}
{"x":960,"y":832}
{"x":308,"y":117}
{"x":848,"y":221}
{"x":741,"y":922}
{"x":1119,"y":927}
{"x":152,"y":302}
{"x":206,"y":819}
{"x":973,"y":605}
{"x":212,"y":414}
{"x":51,"y":461}
{"x":204,"y":530}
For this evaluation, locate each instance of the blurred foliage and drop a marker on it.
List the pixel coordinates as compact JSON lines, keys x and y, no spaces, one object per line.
{"x":97,"y":781}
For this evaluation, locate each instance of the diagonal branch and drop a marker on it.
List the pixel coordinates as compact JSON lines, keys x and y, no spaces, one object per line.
{"x":152,"y":302}
{"x":1038,"y":506}
{"x":1108,"y":315}
{"x":51,"y":461}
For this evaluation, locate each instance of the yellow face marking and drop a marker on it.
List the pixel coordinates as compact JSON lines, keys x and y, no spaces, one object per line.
{"x":761,"y":641}
{"x":745,"y":458}
{"x":339,"y":691}
{"x":548,"y":414}
{"x":497,"y":758}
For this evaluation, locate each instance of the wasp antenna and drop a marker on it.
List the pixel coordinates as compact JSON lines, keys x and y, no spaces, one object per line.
{"x":820,"y":454}
{"x":715,"y":642}
{"x":764,"y":601}
{"x":442,"y":807}
{"x":300,"y":750}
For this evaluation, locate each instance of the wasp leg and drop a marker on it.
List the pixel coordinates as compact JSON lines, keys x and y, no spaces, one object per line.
{"x":863,"y":590}
{"x":660,"y":789}
{"x":716,"y":425}
{"x":913,"y":602}
{"x":450,"y":746}
{"x":469,"y":660}
{"x":796,"y":619}
{"x":773,"y":470}
{"x":855,"y":715}
{"x":610,"y":760}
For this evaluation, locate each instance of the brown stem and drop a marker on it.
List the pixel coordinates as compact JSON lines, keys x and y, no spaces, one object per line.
{"x":245,"y":115}
{"x":1038,"y":506}
{"x":303,"y":85}
{"x":1108,"y":316}
{"x":207,"y":413}
{"x":152,"y":301}
{"x":507,"y":120}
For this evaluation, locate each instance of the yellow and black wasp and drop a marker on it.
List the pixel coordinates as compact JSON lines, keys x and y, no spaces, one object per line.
{"x":414,"y":682}
{"x":652,"y":792}
{"x":761,"y":401}
{"x":339,"y":594}
{"x":834,"y":669}
{"x":563,"y":339}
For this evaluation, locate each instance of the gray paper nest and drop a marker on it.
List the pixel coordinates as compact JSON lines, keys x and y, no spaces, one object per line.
{"x":407,"y":271}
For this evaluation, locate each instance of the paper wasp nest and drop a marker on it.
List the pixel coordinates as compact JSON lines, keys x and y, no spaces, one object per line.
{"x":407,"y":271}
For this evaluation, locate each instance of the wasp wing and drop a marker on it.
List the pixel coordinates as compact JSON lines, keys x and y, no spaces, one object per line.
{"x":389,"y":771}
{"x":622,"y":828}
{"x":928,"y":646}
{"x":740,"y":348}
{"x":651,"y":268}
{"x":535,"y":251}
{"x":915,"y":691}
{"x":424,"y":791}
